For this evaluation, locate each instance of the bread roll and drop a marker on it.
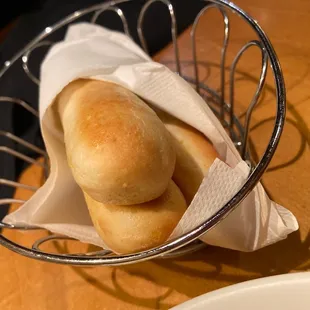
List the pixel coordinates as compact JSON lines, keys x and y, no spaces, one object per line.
{"x":128,"y":229}
{"x":194,"y":152}
{"x":118,"y":149}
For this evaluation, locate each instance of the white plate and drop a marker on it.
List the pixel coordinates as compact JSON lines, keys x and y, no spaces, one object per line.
{"x":283,"y":292}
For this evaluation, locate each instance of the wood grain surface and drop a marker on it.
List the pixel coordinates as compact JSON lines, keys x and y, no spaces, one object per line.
{"x":160,"y":284}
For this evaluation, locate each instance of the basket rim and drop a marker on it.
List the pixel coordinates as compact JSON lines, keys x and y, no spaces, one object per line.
{"x":195,"y":233}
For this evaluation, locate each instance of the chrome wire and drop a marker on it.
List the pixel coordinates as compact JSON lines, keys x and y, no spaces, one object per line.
{"x":17,"y":227}
{"x":223,"y":51}
{"x":25,"y":59}
{"x":256,"y":96}
{"x":174,"y":31}
{"x":21,"y":103}
{"x":19,"y":155}
{"x":118,"y":11}
{"x":17,"y":184}
{"x":187,"y":242}
{"x":39,"y":242}
{"x":22,"y":142}
{"x":7,"y":201}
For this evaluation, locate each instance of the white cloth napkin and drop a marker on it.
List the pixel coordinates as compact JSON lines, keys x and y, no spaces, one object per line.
{"x":92,"y":51}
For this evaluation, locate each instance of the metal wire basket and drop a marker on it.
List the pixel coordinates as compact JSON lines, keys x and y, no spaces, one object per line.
{"x":224,"y":110}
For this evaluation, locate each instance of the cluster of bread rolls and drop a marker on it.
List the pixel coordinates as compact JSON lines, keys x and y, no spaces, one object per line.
{"x":138,"y":169}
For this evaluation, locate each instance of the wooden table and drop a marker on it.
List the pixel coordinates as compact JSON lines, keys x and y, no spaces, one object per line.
{"x":160,"y":284}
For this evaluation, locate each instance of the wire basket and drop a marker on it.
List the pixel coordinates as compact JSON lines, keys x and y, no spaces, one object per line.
{"x":223,"y":110}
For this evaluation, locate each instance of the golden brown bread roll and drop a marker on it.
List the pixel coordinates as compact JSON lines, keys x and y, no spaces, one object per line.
{"x":195,"y":154}
{"x":128,"y":229}
{"x":118,"y":149}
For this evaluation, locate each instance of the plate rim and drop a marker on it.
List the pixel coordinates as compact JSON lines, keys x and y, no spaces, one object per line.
{"x":253,"y":284}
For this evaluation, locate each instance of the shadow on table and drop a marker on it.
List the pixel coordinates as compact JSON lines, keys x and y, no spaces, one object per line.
{"x":208,"y":269}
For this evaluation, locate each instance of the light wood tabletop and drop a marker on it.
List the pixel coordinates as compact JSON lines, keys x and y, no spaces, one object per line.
{"x":161,"y":284}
